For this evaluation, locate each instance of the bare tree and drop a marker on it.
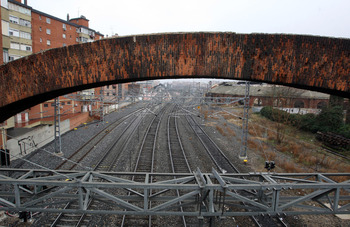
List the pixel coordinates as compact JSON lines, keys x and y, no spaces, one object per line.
{"x":283,"y":98}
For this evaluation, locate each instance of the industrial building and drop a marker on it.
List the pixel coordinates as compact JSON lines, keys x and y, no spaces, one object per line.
{"x":296,"y":100}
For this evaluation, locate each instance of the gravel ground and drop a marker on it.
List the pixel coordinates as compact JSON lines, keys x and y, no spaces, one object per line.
{"x":71,"y":141}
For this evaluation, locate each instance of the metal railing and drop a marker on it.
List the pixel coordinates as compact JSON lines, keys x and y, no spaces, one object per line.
{"x":272,"y":193}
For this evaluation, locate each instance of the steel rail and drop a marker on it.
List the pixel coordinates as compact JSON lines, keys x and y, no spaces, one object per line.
{"x":145,"y":159}
{"x":106,"y":154}
{"x":177,"y":152}
{"x":81,"y":152}
{"x":215,"y":153}
{"x":219,"y":162}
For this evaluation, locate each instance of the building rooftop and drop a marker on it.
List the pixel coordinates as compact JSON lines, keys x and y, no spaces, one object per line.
{"x":265,"y":90}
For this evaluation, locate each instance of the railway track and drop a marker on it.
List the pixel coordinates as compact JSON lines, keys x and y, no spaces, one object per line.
{"x":215,"y":153}
{"x":145,"y":163}
{"x":71,"y":162}
{"x":224,"y":165}
{"x":106,"y":163}
{"x":179,"y":162}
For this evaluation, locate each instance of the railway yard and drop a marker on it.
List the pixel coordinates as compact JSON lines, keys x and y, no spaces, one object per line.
{"x":157,"y":138}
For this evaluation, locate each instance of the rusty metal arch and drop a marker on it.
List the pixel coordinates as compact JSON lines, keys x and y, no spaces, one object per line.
{"x":315,"y":63}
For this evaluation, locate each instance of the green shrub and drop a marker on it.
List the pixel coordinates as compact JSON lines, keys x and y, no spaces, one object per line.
{"x":345,"y":130}
{"x":329,"y":120}
{"x":266,"y":112}
{"x":308,"y":122}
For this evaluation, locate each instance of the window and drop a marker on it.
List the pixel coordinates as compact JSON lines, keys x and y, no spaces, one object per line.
{"x":46,"y":105}
{"x":107,"y":93}
{"x":83,"y":30}
{"x":39,"y":28}
{"x":14,"y":46}
{"x":321,"y":105}
{"x":48,"y":31}
{"x":299,"y":104}
{"x":64,"y":36}
{"x":63,"y":103}
{"x":68,"y":103}
{"x":48,"y":42}
{"x":77,"y":39}
{"x":52,"y":104}
{"x":64,"y":44}
{"x":26,"y":47}
{"x":41,"y":40}
{"x":24,"y":10}
{"x":13,"y":57}
{"x":14,"y":19}
{"x":64,"y":27}
{"x":25,"y":23}
{"x":91,"y":34}
{"x":25,"y":35}
{"x":257,"y":102}
{"x":4,"y":3}
{"x":83,"y":39}
{"x":5,"y":56}
{"x":13,"y":32}
{"x":48,"y":20}
{"x":19,"y":8}
{"x":39,"y":17}
{"x":5,"y":27}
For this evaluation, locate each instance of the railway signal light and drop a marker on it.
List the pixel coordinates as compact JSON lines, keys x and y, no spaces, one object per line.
{"x":269,"y":165}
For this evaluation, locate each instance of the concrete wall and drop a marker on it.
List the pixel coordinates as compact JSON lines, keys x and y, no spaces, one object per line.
{"x":36,"y":138}
{"x":26,"y":143}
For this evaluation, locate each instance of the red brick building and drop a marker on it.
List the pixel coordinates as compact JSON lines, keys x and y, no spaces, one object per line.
{"x":51,"y":32}
{"x":40,"y":32}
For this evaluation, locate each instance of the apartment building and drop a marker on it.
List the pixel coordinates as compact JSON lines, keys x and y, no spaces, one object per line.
{"x":16,"y":30}
{"x":26,"y":30}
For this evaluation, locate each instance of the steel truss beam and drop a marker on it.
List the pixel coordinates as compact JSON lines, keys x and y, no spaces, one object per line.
{"x":201,"y":194}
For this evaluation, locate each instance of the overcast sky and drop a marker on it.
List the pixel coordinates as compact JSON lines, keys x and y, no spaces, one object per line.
{"x":128,"y":17}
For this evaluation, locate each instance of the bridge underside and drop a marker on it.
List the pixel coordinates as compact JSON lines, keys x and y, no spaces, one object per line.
{"x":201,"y":194}
{"x":315,"y":63}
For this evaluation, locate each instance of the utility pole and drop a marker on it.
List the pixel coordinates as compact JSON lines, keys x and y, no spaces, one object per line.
{"x":243,"y":152}
{"x":57,"y":129}
{"x":102,"y":113}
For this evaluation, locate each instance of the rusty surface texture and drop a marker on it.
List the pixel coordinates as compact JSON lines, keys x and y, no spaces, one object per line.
{"x":317,"y":63}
